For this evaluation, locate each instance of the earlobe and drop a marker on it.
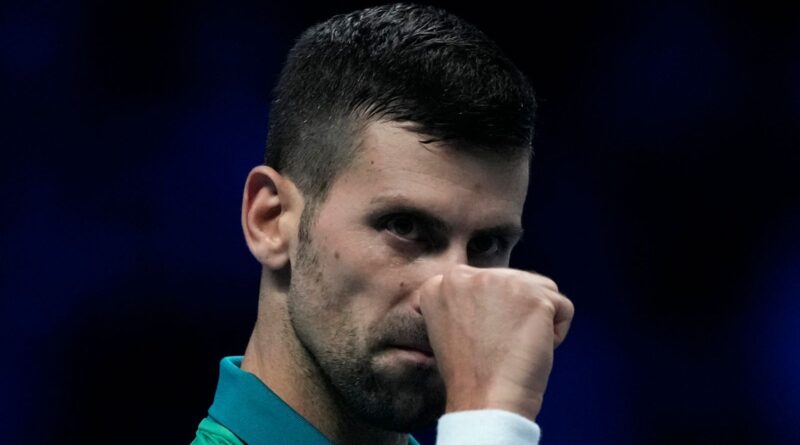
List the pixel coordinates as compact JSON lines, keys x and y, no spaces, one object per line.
{"x":271,"y":206}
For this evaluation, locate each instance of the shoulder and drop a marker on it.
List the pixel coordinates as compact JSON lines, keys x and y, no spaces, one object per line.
{"x":210,"y":432}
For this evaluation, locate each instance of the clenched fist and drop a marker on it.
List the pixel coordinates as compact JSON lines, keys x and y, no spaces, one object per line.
{"x":493,"y":332}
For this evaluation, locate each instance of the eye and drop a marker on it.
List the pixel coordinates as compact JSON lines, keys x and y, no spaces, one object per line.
{"x":405,"y":227}
{"x":486,"y":246}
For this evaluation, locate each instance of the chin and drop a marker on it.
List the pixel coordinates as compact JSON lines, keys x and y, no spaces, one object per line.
{"x":405,"y":399}
{"x":405,"y":414}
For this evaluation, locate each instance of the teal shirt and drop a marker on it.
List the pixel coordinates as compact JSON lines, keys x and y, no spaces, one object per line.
{"x":246,"y":411}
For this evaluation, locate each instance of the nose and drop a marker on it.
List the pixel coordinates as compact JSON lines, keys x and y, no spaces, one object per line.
{"x":433,"y":267}
{"x":438,"y":263}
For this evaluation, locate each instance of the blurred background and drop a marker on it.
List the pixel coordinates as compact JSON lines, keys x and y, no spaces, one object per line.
{"x":665,"y":201}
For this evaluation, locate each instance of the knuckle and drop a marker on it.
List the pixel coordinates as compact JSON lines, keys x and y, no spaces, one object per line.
{"x":462,"y":268}
{"x":542,"y":304}
{"x":482,"y":277}
{"x":551,"y":284}
{"x":458,"y":274}
{"x":569,"y":307}
{"x":432,"y":284}
{"x":547,"y":305}
{"x":544,"y":281}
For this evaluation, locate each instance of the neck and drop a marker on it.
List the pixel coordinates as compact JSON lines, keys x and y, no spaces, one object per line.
{"x":276,"y":357}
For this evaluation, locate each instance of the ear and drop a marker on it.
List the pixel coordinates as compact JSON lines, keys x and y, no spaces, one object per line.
{"x":271,"y":209}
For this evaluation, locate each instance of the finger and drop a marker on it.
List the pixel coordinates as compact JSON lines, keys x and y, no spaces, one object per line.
{"x":428,"y":288}
{"x":565,"y":311}
{"x":562,"y":312}
{"x":543,"y":280}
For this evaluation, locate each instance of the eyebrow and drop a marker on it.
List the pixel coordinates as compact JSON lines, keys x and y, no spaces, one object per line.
{"x":511,"y":232}
{"x":398,"y":204}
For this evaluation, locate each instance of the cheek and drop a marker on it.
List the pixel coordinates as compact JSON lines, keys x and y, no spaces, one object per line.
{"x":358,"y":260}
{"x":362,"y":269}
{"x":365,"y":279}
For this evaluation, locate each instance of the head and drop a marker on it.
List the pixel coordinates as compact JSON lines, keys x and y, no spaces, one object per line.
{"x":405,"y":63}
{"x":407,"y":135}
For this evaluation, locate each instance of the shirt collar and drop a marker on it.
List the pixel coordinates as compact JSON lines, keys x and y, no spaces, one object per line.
{"x":248,"y":408}
{"x":254,"y":413}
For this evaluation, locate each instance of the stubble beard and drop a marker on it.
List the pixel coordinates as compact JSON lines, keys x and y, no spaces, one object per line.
{"x":389,"y":398}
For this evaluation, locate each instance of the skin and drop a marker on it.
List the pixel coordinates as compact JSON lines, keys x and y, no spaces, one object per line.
{"x":398,"y":304}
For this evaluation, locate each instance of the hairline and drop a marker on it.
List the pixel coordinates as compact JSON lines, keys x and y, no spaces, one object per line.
{"x":351,"y":146}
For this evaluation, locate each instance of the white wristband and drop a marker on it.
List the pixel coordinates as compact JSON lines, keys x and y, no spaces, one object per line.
{"x":486,"y":427}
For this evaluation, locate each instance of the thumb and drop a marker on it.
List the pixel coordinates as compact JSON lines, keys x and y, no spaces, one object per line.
{"x":428,"y":288}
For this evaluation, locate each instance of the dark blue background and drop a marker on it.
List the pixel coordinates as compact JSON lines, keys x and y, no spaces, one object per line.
{"x":665,"y":201}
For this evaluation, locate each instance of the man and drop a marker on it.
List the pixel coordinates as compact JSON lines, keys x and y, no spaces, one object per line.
{"x":396,"y":173}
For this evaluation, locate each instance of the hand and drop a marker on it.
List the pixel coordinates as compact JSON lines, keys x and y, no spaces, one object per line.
{"x":493,"y":332}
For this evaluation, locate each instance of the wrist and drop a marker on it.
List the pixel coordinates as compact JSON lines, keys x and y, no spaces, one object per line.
{"x":526,"y":406}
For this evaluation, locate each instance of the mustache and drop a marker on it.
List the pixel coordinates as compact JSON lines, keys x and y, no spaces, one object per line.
{"x":406,"y":331}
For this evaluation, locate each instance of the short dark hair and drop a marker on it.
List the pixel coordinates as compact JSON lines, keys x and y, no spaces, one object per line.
{"x":401,"y":62}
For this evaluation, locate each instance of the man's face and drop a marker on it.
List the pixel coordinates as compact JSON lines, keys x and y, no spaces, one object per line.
{"x":399,"y":214}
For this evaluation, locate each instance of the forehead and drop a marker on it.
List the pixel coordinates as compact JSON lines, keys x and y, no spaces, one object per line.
{"x":392,"y":162}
